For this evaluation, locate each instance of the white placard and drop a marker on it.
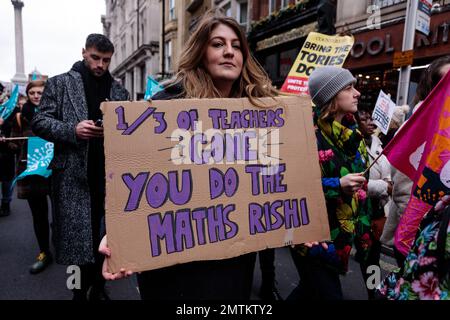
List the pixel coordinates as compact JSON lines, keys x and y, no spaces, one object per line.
{"x":383,"y":112}
{"x":423,"y":16}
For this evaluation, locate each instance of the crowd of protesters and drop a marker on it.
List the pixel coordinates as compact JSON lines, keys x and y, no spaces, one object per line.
{"x":364,"y":207}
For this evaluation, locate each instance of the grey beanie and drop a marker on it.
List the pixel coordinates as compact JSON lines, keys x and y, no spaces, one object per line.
{"x":325,"y":82}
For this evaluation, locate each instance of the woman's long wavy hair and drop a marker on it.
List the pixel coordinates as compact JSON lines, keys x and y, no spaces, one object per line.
{"x":197,"y":83}
{"x":329,"y":110}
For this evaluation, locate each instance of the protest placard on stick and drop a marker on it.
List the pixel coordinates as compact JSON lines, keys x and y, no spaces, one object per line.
{"x":383,"y":112}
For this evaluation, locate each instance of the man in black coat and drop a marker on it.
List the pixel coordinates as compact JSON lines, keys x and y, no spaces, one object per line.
{"x":68,"y":114}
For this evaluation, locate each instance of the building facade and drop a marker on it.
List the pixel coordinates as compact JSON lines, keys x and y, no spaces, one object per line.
{"x":133,"y":27}
{"x":378,"y":27}
{"x":180,"y":20}
{"x":279,"y":28}
{"x":179,"y":17}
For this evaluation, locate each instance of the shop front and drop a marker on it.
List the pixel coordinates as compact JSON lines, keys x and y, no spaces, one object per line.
{"x":276,"y":39}
{"x":277,"y":54}
{"x":371,"y":59}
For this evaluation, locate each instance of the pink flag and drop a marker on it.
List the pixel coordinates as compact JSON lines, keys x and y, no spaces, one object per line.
{"x":421,"y":150}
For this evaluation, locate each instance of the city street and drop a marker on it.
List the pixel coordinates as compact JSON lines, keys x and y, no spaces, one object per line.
{"x":18,"y":249}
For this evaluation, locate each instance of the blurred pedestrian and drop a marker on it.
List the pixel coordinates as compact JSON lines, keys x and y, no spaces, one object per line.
{"x":216,"y":63}
{"x":33,"y":188}
{"x":67,"y":117}
{"x":7,"y":163}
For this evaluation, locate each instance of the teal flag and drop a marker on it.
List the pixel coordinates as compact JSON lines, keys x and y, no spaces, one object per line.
{"x":40,"y":153}
{"x":34,"y":76}
{"x":7,"y":108}
{"x":153,"y":87}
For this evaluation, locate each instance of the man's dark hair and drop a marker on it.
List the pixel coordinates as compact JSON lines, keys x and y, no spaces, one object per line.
{"x":99,"y":42}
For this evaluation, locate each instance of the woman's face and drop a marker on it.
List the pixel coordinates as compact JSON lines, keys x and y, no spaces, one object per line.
{"x":223,"y":57}
{"x":347,"y":100}
{"x":35,"y":94}
{"x":365,"y":124}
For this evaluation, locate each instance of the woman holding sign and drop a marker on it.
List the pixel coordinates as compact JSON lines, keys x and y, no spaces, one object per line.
{"x":216,"y":63}
{"x":343,"y":159}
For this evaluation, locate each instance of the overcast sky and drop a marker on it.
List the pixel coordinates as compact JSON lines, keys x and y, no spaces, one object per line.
{"x":54,"y":34}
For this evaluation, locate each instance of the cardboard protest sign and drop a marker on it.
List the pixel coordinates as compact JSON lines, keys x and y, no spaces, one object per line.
{"x":383,"y":112}
{"x":318,"y":50}
{"x":207,"y":179}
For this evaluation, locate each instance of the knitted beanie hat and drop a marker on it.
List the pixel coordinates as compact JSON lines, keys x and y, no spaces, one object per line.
{"x":325,"y":83}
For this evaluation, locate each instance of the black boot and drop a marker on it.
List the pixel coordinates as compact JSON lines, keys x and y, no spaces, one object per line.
{"x":5,"y":210}
{"x":43,"y":261}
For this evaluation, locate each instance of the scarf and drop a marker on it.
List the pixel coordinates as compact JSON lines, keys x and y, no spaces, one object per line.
{"x":97,"y":89}
{"x":343,"y":136}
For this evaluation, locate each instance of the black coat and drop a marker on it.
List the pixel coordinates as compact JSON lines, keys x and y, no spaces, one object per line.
{"x":63,"y":106}
{"x":228,"y":279}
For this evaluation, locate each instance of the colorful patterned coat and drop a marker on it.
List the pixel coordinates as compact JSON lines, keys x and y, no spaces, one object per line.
{"x":426,"y":272}
{"x":342,"y":151}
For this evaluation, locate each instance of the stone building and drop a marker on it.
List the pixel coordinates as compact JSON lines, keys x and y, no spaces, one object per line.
{"x":133,"y":27}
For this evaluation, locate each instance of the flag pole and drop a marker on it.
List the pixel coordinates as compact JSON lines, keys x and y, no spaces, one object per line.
{"x":374,"y":161}
{"x":15,"y":138}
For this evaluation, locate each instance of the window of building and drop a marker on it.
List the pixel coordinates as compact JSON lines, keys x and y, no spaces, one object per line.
{"x":272,"y":6}
{"x":387,"y":3}
{"x":133,"y":44}
{"x":123,"y":47}
{"x":242,"y":12}
{"x":122,"y":14}
{"x":226,"y":9}
{"x":143,"y":78}
{"x":132,"y":91}
{"x":271,"y":66}
{"x":168,"y":56}
{"x":143,"y":22}
{"x":284,"y":3}
{"x":171,"y":9}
